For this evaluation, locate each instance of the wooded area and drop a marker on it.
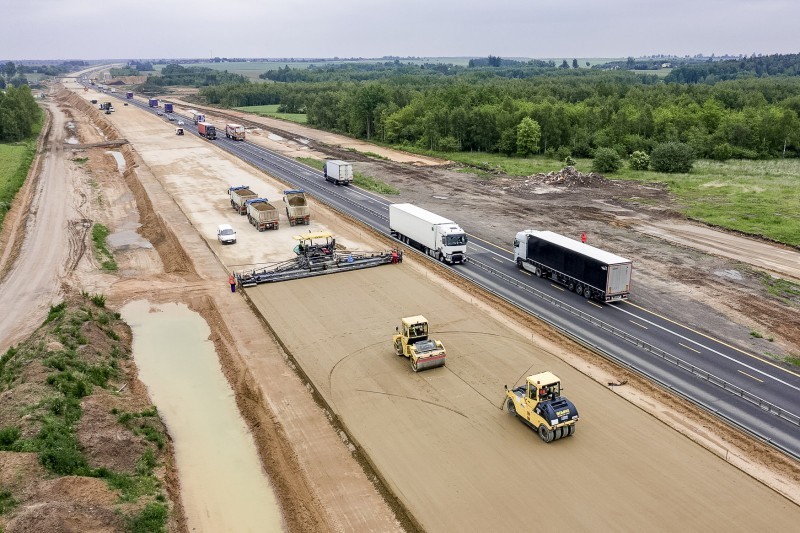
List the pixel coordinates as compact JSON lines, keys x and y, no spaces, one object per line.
{"x":449,"y":108}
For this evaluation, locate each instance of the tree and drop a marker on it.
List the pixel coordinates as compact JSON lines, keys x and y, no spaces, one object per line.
{"x":529,"y":133}
{"x":564,"y":64}
{"x":574,"y":63}
{"x":672,"y":157}
{"x":9,"y":69}
{"x":588,"y":64}
{"x":606,"y":161}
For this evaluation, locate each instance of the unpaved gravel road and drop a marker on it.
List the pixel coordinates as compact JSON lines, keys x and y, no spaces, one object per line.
{"x":33,"y":282}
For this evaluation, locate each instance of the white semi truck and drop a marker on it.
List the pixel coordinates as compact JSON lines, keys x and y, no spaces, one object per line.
{"x":435,"y":235}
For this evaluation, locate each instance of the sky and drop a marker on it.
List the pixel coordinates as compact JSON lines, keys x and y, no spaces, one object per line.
{"x":84,"y":29}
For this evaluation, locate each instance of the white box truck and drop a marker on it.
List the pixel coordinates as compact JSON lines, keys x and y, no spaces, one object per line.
{"x":338,"y":172}
{"x":437,"y":236}
{"x":587,"y":270}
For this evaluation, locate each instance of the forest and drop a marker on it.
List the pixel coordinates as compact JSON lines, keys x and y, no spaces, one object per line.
{"x":578,"y":110}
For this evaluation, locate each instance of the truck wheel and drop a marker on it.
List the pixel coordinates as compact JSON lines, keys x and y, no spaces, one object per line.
{"x":519,"y":263}
{"x":538,"y":272}
{"x":546,"y":434}
{"x":510,"y":407}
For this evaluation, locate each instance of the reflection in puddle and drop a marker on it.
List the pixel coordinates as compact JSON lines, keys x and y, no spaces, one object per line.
{"x":223,"y":487}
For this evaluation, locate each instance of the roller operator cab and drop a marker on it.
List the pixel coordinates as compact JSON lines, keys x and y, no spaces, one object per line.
{"x":412,"y":341}
{"x":539,"y":404}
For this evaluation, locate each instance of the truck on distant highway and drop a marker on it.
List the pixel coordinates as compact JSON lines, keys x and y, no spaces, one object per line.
{"x":239,"y":195}
{"x":437,"y":236}
{"x":129,"y":95}
{"x":262,"y":214}
{"x":235,"y":132}
{"x":589,"y":271}
{"x":153,"y":102}
{"x":167,"y":108}
{"x":297,"y":210}
{"x":207,"y":130}
{"x":338,"y":172}
{"x":197,"y":117}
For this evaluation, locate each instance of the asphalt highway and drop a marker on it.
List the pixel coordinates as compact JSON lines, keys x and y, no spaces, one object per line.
{"x":749,"y":391}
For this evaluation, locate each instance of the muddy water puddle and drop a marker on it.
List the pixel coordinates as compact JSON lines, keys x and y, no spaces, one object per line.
{"x":223,"y":487}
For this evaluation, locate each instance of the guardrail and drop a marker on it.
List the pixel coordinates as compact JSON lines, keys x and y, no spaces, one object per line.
{"x":761,"y":403}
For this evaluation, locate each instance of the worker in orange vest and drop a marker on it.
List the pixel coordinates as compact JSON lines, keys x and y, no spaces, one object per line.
{"x":583,"y":237}
{"x":232,"y":281}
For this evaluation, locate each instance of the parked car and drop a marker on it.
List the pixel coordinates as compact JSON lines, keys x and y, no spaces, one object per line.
{"x":226,"y":234}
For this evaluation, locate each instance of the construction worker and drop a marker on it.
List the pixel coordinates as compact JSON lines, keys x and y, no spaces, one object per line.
{"x":583,"y":237}
{"x":232,"y":281}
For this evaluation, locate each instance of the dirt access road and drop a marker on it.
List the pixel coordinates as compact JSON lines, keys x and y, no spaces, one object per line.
{"x":424,"y":431}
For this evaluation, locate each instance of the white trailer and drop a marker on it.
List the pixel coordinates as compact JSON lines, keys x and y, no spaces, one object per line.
{"x":437,"y":236}
{"x":338,"y":172}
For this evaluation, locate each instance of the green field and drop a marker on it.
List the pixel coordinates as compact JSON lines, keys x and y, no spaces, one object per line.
{"x":15,"y":159}
{"x":752,"y":196}
{"x":272,"y":111}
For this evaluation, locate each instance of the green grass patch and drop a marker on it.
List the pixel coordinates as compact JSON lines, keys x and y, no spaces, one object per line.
{"x":272,"y":111}
{"x":779,"y":287}
{"x":311,"y":162}
{"x":368,"y":183}
{"x":7,"y":502}
{"x":80,"y":160}
{"x":99,"y":234}
{"x":151,"y":519}
{"x":792,"y":360}
{"x":15,"y":161}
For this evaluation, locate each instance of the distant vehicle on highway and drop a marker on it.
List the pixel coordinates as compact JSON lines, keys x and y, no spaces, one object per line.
{"x":180,"y":123}
{"x":170,"y":117}
{"x":159,"y":113}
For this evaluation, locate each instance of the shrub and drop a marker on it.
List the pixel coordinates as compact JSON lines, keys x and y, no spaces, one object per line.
{"x":8,"y":436}
{"x":606,"y":161}
{"x":99,"y":300}
{"x":563,"y":152}
{"x":152,"y":519}
{"x":639,"y":161}
{"x":722,"y":152}
{"x":672,"y":157}
{"x":569,"y":161}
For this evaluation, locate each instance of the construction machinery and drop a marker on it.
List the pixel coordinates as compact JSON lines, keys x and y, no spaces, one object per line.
{"x":261,"y":214}
{"x":411,"y":340}
{"x":239,"y":195}
{"x":297,"y":210}
{"x":316,"y":254}
{"x":539,"y":404}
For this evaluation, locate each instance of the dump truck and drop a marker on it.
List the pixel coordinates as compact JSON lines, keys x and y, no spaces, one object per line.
{"x":439,"y":237}
{"x":153,"y":102}
{"x":235,"y":132}
{"x":589,"y":271}
{"x":297,"y":210}
{"x":540,"y":405}
{"x":204,"y":129}
{"x":129,"y":95}
{"x":239,"y":195}
{"x":411,"y":341}
{"x":338,"y":172}
{"x":261,"y":214}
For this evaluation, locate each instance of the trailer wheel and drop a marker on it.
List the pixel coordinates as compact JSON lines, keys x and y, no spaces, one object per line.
{"x":571,"y":286}
{"x":587,"y":292}
{"x":510,"y":407}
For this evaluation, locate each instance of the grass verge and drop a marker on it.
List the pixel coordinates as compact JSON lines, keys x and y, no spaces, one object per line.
{"x":99,"y":234}
{"x":367,"y":183}
{"x":15,"y":162}
{"x":272,"y":111}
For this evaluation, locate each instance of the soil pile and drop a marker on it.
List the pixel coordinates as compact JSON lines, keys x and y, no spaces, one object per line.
{"x":81,"y":447}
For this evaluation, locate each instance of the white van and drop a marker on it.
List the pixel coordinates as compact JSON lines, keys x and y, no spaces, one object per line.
{"x":226,"y":234}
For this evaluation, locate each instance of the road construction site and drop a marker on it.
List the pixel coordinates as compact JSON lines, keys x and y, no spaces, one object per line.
{"x":435,"y":447}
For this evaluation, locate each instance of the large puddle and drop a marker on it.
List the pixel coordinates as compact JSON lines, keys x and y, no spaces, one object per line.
{"x":223,"y":487}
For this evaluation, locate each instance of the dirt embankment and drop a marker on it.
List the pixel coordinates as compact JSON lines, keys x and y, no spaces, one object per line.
{"x":81,"y":446}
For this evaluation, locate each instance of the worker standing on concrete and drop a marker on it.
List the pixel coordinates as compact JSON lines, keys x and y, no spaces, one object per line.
{"x":583,"y":237}
{"x":232,"y":281}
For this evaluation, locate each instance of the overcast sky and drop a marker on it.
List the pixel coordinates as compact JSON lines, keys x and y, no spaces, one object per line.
{"x":84,"y":29}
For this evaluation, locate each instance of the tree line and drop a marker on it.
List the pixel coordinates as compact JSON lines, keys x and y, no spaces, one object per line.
{"x":746,"y":67}
{"x":19,"y":113}
{"x":174,"y":74}
{"x":577,"y":111}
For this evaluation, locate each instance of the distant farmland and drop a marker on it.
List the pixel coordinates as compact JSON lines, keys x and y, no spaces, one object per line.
{"x":272,"y":111}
